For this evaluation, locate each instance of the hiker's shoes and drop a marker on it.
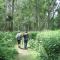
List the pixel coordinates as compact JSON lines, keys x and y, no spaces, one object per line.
{"x":25,"y":48}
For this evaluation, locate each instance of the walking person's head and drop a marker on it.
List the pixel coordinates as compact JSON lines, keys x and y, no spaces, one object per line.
{"x":26,"y":31}
{"x":18,"y":32}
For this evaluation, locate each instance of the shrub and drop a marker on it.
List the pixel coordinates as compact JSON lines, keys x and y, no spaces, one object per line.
{"x":7,"y":42}
{"x":32,"y":38}
{"x":32,"y":35}
{"x":48,"y":45}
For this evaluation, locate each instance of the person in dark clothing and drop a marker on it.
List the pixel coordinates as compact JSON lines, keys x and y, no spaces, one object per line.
{"x":25,"y":40}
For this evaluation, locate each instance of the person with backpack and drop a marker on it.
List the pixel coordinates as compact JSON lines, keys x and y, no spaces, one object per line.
{"x":25,"y":39}
{"x":18,"y":37}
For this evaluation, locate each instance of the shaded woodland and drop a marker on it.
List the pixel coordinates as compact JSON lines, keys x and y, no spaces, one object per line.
{"x":31,"y":15}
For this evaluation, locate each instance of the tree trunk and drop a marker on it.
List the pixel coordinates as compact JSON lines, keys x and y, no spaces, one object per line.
{"x":9,"y":13}
{"x":37,"y":15}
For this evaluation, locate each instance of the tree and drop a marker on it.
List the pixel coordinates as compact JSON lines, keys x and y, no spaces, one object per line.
{"x":9,"y":14}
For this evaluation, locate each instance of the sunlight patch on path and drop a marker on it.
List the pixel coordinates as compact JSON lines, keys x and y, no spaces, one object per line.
{"x":22,"y":51}
{"x":25,"y":54}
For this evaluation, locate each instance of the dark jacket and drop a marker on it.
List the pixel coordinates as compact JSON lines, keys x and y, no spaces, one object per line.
{"x":25,"y":36}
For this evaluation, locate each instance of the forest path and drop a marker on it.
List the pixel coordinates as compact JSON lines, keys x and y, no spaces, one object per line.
{"x":28,"y":54}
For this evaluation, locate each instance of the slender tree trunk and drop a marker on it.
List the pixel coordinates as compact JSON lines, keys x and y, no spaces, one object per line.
{"x":12,"y":15}
{"x":37,"y":15}
{"x":9,"y":13}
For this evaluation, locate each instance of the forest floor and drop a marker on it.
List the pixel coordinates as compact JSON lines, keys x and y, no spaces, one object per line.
{"x":27,"y":54}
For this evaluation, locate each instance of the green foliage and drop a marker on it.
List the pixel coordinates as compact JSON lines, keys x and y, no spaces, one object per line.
{"x":7,"y":53}
{"x":29,"y":15}
{"x":47,"y":44}
{"x":7,"y":42}
{"x":33,"y":35}
{"x":57,"y":19}
{"x":1,"y":9}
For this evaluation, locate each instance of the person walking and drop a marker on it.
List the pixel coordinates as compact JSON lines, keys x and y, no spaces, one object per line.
{"x":18,"y":37}
{"x":25,"y":40}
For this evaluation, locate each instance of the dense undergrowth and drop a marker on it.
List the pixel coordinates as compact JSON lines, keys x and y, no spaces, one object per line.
{"x":7,"y":42}
{"x":47,"y":44}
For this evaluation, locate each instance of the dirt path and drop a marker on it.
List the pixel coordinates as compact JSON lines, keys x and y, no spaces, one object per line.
{"x":25,"y":54}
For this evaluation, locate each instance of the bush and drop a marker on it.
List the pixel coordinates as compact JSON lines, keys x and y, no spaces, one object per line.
{"x":7,"y":53}
{"x":7,"y":42}
{"x":32,"y":35}
{"x":32,"y":38}
{"x":48,"y":45}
